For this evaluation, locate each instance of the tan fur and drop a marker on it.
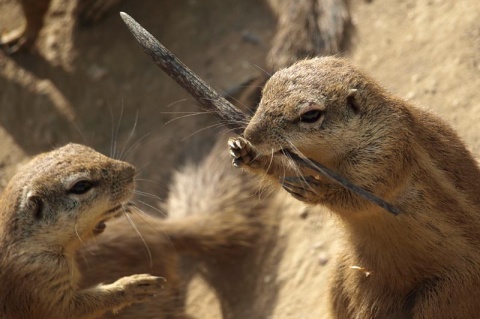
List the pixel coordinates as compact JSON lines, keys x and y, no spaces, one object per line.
{"x":423,"y":263}
{"x":222,"y":214}
{"x":219,"y":201}
{"x":215,"y":217}
{"x":44,"y":222}
{"x":120,"y":251}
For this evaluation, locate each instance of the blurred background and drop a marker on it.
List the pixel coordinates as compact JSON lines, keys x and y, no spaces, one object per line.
{"x":86,"y":80}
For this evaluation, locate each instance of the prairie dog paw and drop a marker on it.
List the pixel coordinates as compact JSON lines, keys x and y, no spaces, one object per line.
{"x":241,"y":151}
{"x":139,"y":287}
{"x":306,"y":189}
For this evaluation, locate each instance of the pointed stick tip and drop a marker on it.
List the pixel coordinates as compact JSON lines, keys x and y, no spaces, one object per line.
{"x":128,"y":20}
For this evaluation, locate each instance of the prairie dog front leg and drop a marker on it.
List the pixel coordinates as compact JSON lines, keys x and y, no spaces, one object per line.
{"x":123,"y":292}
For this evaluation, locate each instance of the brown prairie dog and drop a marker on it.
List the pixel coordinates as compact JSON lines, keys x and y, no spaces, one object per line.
{"x":53,"y":205}
{"x":423,"y":263}
{"x":214,"y":216}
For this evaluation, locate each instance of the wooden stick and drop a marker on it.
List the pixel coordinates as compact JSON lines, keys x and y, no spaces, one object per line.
{"x":214,"y":103}
{"x":210,"y":100}
{"x":325,"y":171}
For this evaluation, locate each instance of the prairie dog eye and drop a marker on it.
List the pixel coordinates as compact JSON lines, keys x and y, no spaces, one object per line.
{"x":81,"y":187}
{"x":311,"y":116}
{"x":311,"y":112}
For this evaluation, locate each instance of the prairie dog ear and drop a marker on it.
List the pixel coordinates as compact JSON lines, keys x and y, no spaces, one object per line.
{"x":34,"y":205}
{"x":352,"y":100}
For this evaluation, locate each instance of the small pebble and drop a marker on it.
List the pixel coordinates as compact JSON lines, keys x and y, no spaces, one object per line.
{"x":304,"y":213}
{"x":323,"y":258}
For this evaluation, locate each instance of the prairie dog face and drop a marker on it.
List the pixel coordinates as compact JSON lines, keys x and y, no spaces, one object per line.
{"x":313,"y":107}
{"x":67,"y":193}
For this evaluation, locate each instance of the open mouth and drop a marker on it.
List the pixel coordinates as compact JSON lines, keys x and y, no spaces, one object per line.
{"x":114,"y":212}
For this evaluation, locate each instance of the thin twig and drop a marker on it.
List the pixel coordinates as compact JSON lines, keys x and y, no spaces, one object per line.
{"x":325,"y":171}
{"x":214,"y":103}
{"x":189,"y":81}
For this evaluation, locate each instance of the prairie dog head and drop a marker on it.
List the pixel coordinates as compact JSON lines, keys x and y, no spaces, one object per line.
{"x":315,"y":106}
{"x":65,"y":194}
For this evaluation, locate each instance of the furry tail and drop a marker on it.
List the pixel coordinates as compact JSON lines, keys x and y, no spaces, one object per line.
{"x":307,"y":28}
{"x":213,"y":208}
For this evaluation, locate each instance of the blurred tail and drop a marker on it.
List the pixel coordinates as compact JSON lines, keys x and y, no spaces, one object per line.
{"x":307,"y":28}
{"x":213,"y":208}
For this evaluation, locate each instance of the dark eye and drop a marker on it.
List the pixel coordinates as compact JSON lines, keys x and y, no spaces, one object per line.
{"x":81,"y":187}
{"x":310,"y":116}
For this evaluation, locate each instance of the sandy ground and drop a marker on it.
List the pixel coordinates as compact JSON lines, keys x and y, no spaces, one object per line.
{"x":89,"y":84}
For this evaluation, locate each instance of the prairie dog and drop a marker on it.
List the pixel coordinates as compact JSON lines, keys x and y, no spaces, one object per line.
{"x":215,"y":219}
{"x":423,"y":263}
{"x":53,"y":205}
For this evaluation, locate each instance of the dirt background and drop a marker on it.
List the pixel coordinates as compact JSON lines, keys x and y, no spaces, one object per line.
{"x":89,"y":84}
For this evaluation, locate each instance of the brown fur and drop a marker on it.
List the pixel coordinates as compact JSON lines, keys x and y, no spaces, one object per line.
{"x":307,"y":28}
{"x":44,"y":222}
{"x":423,"y":263}
{"x":237,"y":224}
{"x":120,"y":251}
{"x":215,"y":218}
{"x":216,"y":225}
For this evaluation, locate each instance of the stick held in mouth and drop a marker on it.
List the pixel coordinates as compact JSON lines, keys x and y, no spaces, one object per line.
{"x":210,"y":100}
{"x":214,"y":103}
